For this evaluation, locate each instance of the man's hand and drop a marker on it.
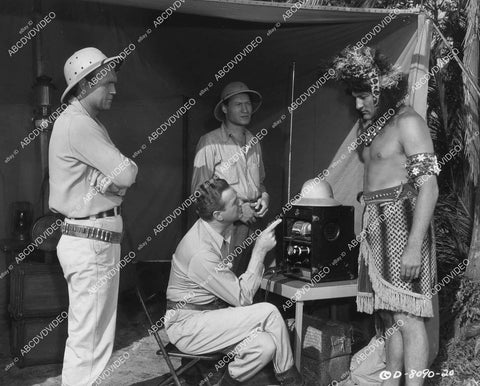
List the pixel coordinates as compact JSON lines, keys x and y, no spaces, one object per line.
{"x":410,"y":264}
{"x":102,"y":183}
{"x":261,"y":206}
{"x":248,"y":214}
{"x":266,"y":241}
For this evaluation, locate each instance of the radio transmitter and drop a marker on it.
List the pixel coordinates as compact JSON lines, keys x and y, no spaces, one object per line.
{"x":317,"y":243}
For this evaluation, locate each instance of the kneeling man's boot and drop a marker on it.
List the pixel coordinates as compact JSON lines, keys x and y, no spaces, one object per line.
{"x":291,"y":377}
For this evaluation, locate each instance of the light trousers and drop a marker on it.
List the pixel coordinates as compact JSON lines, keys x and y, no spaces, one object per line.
{"x":251,"y":335}
{"x":91,"y":270}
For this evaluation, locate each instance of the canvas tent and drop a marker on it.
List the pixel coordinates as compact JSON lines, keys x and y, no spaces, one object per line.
{"x":182,"y":58}
{"x":176,"y":61}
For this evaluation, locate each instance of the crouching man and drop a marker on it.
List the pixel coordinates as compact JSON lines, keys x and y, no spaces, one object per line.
{"x":210,"y":309}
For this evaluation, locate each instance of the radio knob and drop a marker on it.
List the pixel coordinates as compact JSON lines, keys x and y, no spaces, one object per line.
{"x":297,"y":250}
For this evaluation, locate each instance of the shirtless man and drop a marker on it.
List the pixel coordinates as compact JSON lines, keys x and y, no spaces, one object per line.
{"x":397,"y":268}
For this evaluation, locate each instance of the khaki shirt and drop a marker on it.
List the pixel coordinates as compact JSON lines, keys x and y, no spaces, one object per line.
{"x":199,"y":275}
{"x":80,"y":144}
{"x":219,"y":154}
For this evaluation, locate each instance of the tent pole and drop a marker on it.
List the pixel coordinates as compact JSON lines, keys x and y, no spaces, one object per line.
{"x":290,"y":129}
{"x":42,"y":105}
{"x":185,"y":163}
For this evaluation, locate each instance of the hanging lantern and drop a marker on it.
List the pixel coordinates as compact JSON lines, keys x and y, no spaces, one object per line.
{"x":43,"y":101}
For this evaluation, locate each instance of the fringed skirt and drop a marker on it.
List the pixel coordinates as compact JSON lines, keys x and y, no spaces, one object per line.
{"x":386,"y":226}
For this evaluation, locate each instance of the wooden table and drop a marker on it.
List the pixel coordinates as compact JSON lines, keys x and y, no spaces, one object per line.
{"x":298,"y":292}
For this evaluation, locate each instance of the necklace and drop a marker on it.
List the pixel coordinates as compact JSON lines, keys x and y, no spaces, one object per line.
{"x":370,"y":134}
{"x":374,"y":129}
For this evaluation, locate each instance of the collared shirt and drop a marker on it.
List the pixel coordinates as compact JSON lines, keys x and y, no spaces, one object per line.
{"x":199,"y":274}
{"x":80,"y":144}
{"x":242,"y":167}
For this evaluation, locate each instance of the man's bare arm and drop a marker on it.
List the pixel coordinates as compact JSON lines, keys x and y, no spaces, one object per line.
{"x":415,"y":138}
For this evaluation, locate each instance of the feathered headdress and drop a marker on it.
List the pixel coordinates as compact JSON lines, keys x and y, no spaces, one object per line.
{"x":364,"y":64}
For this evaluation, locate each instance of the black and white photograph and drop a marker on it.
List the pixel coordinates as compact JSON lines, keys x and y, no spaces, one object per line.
{"x":240,"y":192}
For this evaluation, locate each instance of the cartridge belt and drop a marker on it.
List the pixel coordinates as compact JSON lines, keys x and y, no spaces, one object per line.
{"x":88,"y":232}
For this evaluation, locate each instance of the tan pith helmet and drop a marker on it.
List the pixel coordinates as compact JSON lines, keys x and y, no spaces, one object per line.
{"x":232,"y":89}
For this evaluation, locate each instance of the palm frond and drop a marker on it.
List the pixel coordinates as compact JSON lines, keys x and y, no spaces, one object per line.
{"x":453,"y":230}
{"x":471,"y":61}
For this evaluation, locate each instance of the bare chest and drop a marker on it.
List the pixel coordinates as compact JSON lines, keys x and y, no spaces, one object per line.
{"x":385,"y":148}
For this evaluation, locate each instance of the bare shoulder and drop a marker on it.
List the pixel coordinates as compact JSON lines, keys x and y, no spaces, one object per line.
{"x":409,"y":122}
{"x":413,"y":131}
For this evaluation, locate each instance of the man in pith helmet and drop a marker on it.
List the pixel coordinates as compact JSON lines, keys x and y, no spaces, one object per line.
{"x":88,"y":180}
{"x":231,"y":152}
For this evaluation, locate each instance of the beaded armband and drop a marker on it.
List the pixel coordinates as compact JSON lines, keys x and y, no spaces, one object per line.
{"x":422,"y":164}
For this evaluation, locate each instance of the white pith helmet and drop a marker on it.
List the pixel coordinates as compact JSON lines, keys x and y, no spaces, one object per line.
{"x":81,"y":63}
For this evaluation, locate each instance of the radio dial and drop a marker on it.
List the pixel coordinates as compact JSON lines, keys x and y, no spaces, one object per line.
{"x":302,"y":228}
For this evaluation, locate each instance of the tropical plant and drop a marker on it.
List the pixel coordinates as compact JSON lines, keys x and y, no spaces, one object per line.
{"x":453,"y":117}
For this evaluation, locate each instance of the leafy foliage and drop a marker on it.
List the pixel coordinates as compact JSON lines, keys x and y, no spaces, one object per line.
{"x":453,"y":227}
{"x":450,"y":122}
{"x":467,"y":304}
{"x":463,"y":361}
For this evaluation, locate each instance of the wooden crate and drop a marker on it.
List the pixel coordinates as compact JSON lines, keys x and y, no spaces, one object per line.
{"x":37,"y":290}
{"x":38,"y":341}
{"x":326,"y":350}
